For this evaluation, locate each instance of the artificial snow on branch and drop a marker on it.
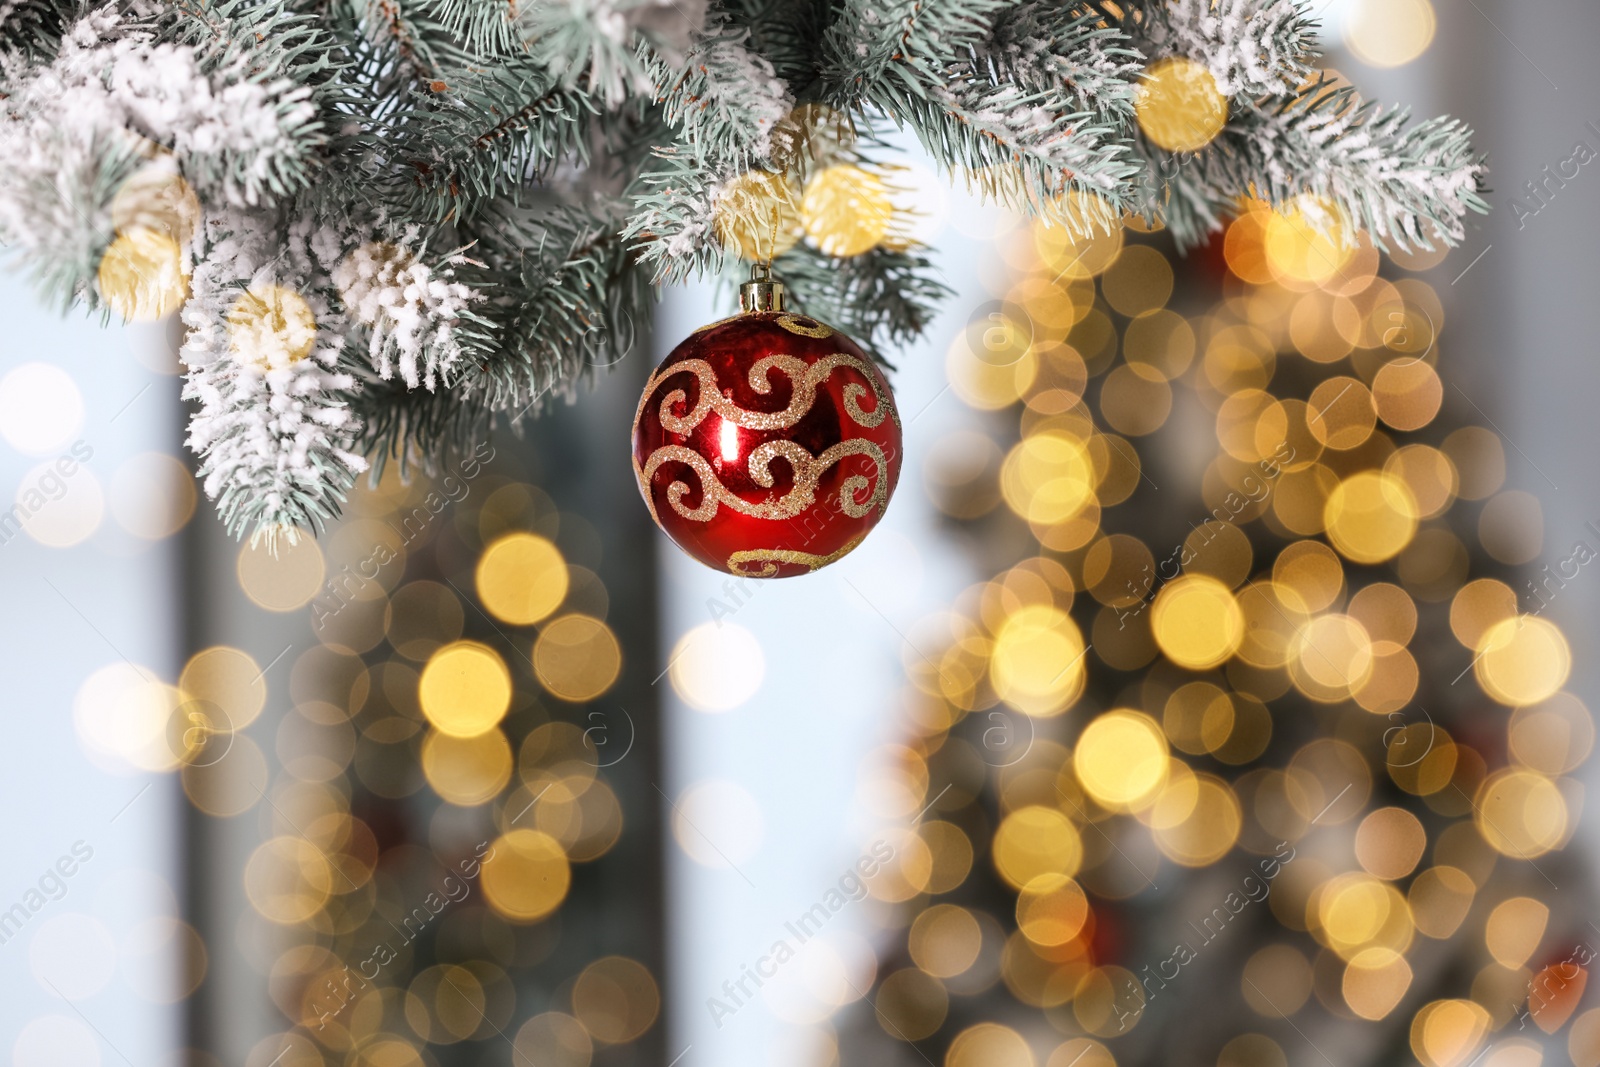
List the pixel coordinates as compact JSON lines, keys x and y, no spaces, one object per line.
{"x":286,"y":176}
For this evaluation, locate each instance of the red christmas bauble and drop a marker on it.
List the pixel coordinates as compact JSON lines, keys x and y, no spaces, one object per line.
{"x":767,"y":444}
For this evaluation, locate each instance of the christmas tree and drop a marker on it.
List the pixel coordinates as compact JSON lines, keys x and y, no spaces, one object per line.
{"x":389,"y":224}
{"x":1248,"y":752}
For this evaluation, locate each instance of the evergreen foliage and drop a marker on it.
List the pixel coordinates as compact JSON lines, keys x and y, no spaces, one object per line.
{"x":476,"y":199}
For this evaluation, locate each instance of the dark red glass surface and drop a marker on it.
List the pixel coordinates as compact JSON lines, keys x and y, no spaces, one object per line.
{"x":788,"y":541}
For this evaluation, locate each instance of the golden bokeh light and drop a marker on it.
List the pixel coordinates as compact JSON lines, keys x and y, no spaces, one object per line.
{"x":223,"y":774}
{"x":1478,"y":606}
{"x":1108,"y":1001}
{"x":225,"y":680}
{"x":1121,"y":760}
{"x":1514,"y":930}
{"x":465,"y":689}
{"x":1305,"y":244}
{"x":1081,"y":1052}
{"x":525,"y":876}
{"x":1439,"y":898}
{"x":1370,"y":517}
{"x":757,"y":215}
{"x":1179,"y":105}
{"x":616,"y":1000}
{"x":951,"y":851}
{"x":1139,"y":282}
{"x":288,"y":880}
{"x":143,"y":274}
{"x":1135,"y":399}
{"x":521,"y":578}
{"x":944,"y":940}
{"x":271,"y":327}
{"x":1407,"y":394}
{"x":1197,"y":622}
{"x":993,"y":363}
{"x":1522,"y":660}
{"x":1521,"y":814}
{"x":1389,"y":843}
{"x":1048,"y":478}
{"x":1374,"y":982}
{"x":1037,"y":661}
{"x":1284,"y":971}
{"x":577,"y":657}
{"x":282,"y":574}
{"x":846,"y":210}
{"x":1051,"y":910}
{"x":467,"y":771}
{"x":989,"y":1045}
{"x":1448,"y":1033}
{"x":1083,"y":242}
{"x":1332,"y":658}
{"x":1034,"y":841}
{"x":554,"y":1039}
{"x":1352,"y":912}
{"x":1342,"y":413}
{"x":1207,"y":830}
{"x":1552,"y":737}
{"x":1389,"y":33}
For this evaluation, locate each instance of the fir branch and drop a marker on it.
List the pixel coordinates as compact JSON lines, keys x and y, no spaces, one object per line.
{"x":726,"y":99}
{"x":574,"y":148}
{"x":1251,"y":47}
{"x":487,"y":28}
{"x":575,"y":298}
{"x":33,"y":28}
{"x":575,"y":305}
{"x":597,"y":41}
{"x":1031,"y":123}
{"x":273,"y":427}
{"x":905,"y":44}
{"x":786,"y":33}
{"x":56,"y":196}
{"x":673,"y":224}
{"x":414,"y":312}
{"x":883,"y":299}
{"x":482,"y":134}
{"x":1363,"y":163}
{"x":1067,"y":51}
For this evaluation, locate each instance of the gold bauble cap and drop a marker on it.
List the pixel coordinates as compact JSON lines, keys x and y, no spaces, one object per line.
{"x":761,"y":292}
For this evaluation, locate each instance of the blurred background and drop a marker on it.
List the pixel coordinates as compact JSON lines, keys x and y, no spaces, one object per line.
{"x":1213,"y":692}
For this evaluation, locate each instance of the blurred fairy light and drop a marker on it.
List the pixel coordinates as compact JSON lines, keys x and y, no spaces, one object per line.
{"x":395,"y":702}
{"x":846,"y":210}
{"x":1328,"y":536}
{"x":143,"y":275}
{"x":758,"y":215}
{"x":718,"y":824}
{"x":271,"y":327}
{"x":1180,"y":107}
{"x":41,"y":408}
{"x":152,"y":496}
{"x":465,"y":689}
{"x":282,"y":576}
{"x":577,"y":658}
{"x":716,"y":667}
{"x":521,"y":578}
{"x":1388,"y":33}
